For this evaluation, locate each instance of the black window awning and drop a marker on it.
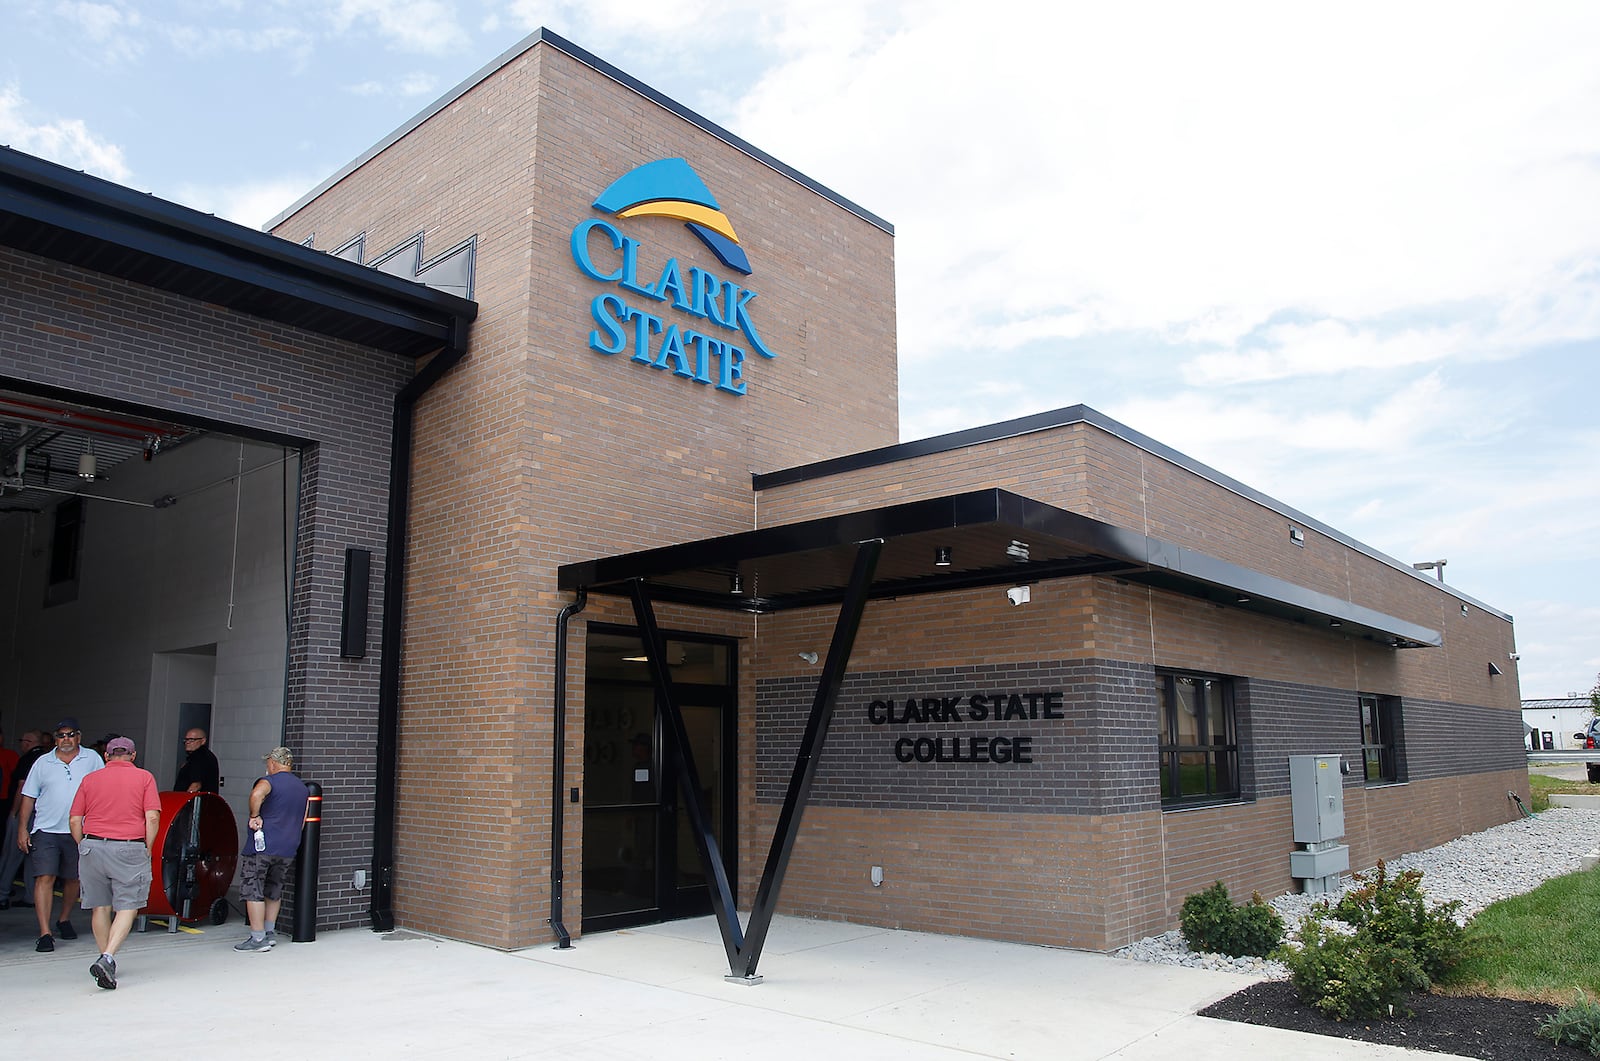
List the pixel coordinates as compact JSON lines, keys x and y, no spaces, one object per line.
{"x":993,"y":537}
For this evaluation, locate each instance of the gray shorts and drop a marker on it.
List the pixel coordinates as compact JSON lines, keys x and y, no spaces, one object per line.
{"x":262,"y":877}
{"x":115,"y":873}
{"x":54,"y":855}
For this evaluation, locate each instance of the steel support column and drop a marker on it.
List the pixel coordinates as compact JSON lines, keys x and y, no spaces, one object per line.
{"x":705,"y":842}
{"x":744,"y":950}
{"x":809,"y":755}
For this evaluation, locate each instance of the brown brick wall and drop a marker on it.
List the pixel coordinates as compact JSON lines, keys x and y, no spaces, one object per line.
{"x":1068,"y":863}
{"x":1085,"y":469}
{"x":537,"y":451}
{"x":1096,"y":882}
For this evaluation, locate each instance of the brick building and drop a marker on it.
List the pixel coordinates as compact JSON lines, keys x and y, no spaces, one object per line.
{"x":614,"y":458}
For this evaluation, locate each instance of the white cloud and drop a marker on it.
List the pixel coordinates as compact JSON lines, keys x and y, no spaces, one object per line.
{"x":426,"y":26}
{"x":67,"y":141}
{"x":251,"y":203}
{"x":409,"y":86}
{"x":1197,"y":169}
{"x":107,"y":26}
{"x":197,"y":40}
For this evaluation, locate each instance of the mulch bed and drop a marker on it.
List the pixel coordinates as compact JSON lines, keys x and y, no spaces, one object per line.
{"x":1495,"y":1029}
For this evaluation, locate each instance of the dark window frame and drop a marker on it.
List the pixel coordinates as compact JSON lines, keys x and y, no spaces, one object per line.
{"x":1379,"y":717}
{"x":66,"y":551}
{"x":1215,"y":753}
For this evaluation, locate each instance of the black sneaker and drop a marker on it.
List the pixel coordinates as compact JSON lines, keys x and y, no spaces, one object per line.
{"x":46,"y":944}
{"x":104,"y":971}
{"x":65,"y":930}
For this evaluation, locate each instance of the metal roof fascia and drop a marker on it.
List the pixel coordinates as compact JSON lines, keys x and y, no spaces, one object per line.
{"x":600,"y":66}
{"x":108,"y":210}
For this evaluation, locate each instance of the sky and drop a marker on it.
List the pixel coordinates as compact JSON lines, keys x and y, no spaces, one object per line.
{"x":1346,"y":254}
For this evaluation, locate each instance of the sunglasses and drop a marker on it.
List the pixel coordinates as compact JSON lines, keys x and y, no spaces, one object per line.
{"x":191,"y":740}
{"x":65,"y":733}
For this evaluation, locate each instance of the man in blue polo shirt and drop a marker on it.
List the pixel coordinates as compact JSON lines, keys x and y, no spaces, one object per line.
{"x":47,"y":801}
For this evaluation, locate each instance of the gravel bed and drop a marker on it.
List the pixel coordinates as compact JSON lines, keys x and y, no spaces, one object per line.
{"x":1478,"y":870}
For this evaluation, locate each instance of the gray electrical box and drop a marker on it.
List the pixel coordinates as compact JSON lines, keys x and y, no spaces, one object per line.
{"x":1316,"y":794}
{"x":1316,"y":799}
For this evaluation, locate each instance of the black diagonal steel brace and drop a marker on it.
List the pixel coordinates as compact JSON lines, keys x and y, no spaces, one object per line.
{"x":744,"y":951}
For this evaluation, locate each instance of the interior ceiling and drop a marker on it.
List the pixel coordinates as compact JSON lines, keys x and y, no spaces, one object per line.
{"x":43,"y":443}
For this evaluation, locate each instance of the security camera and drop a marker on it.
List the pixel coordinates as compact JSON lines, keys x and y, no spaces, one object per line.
{"x":1513,"y":657}
{"x":1019,"y":595}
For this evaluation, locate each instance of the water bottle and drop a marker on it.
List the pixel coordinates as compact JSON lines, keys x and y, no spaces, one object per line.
{"x":261,"y":840}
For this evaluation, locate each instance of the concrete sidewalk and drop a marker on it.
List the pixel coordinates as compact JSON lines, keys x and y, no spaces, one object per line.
{"x":831,"y":990}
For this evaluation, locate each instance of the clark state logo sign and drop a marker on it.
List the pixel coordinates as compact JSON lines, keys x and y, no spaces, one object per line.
{"x":707,"y":348}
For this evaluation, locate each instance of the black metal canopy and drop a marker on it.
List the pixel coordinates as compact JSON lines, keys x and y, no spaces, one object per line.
{"x":993,"y":537}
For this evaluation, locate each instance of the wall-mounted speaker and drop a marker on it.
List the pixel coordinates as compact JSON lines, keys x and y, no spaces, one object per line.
{"x":353,"y":625}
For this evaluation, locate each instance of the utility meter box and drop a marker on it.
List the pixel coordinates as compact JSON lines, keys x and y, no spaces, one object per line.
{"x":1316,"y":796}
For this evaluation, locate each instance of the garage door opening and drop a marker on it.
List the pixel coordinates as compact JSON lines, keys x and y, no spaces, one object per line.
{"x":146,"y":577}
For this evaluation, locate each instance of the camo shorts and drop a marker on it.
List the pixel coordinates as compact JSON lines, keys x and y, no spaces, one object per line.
{"x":262,"y":877}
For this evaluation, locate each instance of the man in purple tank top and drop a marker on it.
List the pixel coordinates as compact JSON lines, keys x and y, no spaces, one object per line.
{"x":272,"y":837}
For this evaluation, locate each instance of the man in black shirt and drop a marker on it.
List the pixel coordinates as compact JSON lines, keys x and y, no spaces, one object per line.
{"x":199,"y":772}
{"x":34,"y":743}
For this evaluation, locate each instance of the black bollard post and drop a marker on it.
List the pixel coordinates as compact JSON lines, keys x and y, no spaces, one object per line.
{"x":307,"y":866}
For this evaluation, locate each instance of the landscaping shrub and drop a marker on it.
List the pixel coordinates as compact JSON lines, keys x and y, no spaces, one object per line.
{"x":1395,"y":944}
{"x":1395,"y":912}
{"x":1211,"y":922}
{"x":1352,"y":974}
{"x":1575,"y":1025}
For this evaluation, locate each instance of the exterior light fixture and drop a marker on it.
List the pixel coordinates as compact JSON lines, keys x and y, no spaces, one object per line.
{"x":1297,"y":536}
{"x":809,"y":657}
{"x":1493,"y":670}
{"x":86,"y":461}
{"x":1436,"y":566}
{"x":1242,"y":599}
{"x":1018,"y":551}
{"x":941,"y":556}
{"x":1335,"y":623}
{"x":736,"y":587}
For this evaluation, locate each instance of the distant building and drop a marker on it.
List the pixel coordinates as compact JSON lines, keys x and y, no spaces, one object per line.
{"x":1551,"y":724}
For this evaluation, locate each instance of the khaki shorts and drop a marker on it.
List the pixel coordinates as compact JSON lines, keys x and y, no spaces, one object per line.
{"x":114,"y":873}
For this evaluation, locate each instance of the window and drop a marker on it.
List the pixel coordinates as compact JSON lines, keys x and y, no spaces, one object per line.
{"x":66,"y":543}
{"x":1199,"y":739}
{"x":1378,"y":714}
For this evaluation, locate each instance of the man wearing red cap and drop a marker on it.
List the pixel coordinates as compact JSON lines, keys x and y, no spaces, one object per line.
{"x":115,"y":816}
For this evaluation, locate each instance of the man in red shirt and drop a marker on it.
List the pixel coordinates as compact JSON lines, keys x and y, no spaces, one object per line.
{"x":114,"y":820}
{"x":8,"y":770}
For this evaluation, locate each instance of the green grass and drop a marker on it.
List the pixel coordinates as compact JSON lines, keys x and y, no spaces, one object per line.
{"x":1542,"y":785}
{"x":1540,"y":946}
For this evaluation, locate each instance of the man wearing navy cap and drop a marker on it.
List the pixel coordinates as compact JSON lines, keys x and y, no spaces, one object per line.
{"x":115,"y":817}
{"x":47,"y":801}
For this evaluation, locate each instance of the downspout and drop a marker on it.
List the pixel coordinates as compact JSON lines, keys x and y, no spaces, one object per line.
{"x":381,"y":908}
{"x":558,"y":769}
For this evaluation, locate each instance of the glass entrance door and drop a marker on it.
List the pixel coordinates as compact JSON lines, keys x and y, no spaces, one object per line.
{"x":639,"y":859}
